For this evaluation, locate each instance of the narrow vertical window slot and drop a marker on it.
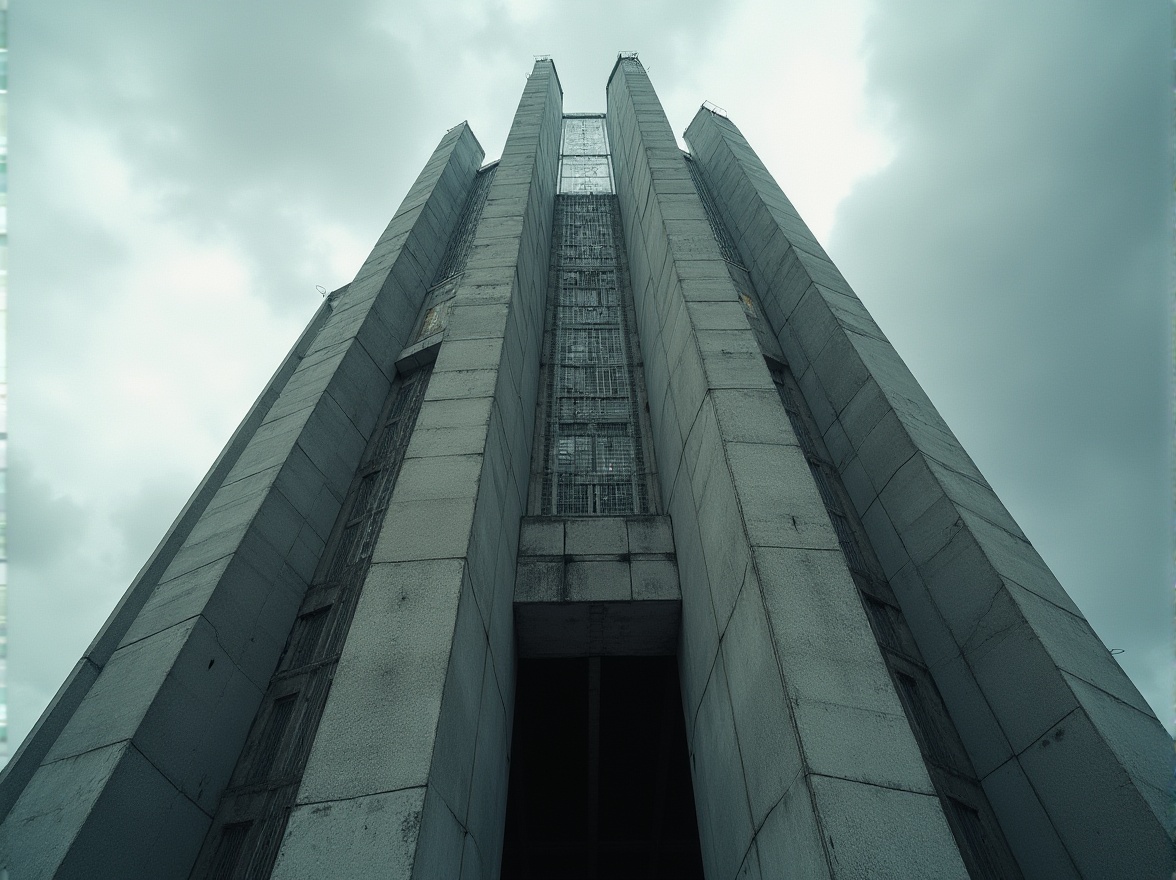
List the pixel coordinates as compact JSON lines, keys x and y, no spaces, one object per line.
{"x":272,"y":735}
{"x":266,"y":780}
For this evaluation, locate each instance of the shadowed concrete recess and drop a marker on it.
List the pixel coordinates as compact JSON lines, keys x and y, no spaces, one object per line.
{"x":593,"y":530}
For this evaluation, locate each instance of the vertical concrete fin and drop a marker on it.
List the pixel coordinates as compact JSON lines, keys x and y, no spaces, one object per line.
{"x":171,"y":704}
{"x":805,"y":763}
{"x":1032,"y":690}
{"x":24,"y":762}
{"x":422,"y":765}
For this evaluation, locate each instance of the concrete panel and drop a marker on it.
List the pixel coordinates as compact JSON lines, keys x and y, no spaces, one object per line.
{"x":434,"y":529}
{"x":605,"y":535}
{"x":822,"y":637}
{"x":700,"y":632}
{"x":540,"y":581}
{"x":541,"y":537}
{"x":1139,"y":746}
{"x":605,"y":599}
{"x":472,"y":865}
{"x":724,"y":818}
{"x":789,"y":841}
{"x":457,"y":726}
{"x":909,"y":838}
{"x":655,"y":579}
{"x":485,"y":818}
{"x":1027,"y":827}
{"x":62,"y":797}
{"x":981,"y":733}
{"x":180,"y":699}
{"x":778,"y":499}
{"x":400,"y":637}
{"x":353,"y":839}
{"x":854,"y":743}
{"x":599,"y":580}
{"x":750,"y":869}
{"x":763,"y":722}
{"x":1115,"y":836}
{"x":1016,"y":674}
{"x":652,"y":534}
{"x":728,"y":556}
{"x":132,"y":822}
{"x":751,"y":416}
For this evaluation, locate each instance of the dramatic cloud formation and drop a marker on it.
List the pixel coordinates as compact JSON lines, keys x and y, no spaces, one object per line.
{"x":1016,"y":251}
{"x":990,"y":176}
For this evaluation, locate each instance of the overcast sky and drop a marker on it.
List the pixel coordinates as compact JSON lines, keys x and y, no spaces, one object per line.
{"x":991,"y":176}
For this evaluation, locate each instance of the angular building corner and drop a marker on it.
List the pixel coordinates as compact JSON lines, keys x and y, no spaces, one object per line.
{"x":594,"y":530}
{"x":1041,"y":706}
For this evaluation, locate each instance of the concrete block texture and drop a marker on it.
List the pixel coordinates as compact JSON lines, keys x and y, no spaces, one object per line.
{"x":371,"y":836}
{"x":777,"y":658}
{"x":415,"y":732}
{"x":179,"y":692}
{"x":1010,"y":652}
{"x":72,"y":822}
{"x":596,"y":586}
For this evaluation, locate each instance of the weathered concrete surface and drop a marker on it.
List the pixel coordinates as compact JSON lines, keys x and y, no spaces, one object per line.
{"x":414,"y":739}
{"x":597,"y":586}
{"x":29,"y":755}
{"x":1073,"y":760}
{"x":803,"y":760}
{"x":127,"y":788}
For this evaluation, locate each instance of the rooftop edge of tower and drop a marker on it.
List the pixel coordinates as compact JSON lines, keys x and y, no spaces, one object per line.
{"x":546,"y":59}
{"x":621,"y":56}
{"x":466,"y":124}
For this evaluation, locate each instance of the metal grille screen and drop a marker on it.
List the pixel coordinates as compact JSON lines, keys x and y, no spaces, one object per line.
{"x":462,"y":238}
{"x":252,"y":814}
{"x":584,"y":165}
{"x":444,"y":287}
{"x":594,"y":458}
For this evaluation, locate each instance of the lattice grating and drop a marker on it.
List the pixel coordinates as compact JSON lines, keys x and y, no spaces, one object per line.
{"x":594,"y":461}
{"x":719,"y":229}
{"x":462,"y":239}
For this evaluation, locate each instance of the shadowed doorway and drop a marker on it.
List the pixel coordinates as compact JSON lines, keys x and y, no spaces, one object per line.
{"x":600,"y":780}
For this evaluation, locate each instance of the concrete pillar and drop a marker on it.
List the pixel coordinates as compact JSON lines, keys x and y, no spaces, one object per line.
{"x":804,"y":763}
{"x":28,"y":757}
{"x":128,"y":786}
{"x":408,"y":773}
{"x":1073,"y":760}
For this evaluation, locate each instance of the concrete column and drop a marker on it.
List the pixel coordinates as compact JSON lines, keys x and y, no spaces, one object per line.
{"x":128,"y":787}
{"x":1073,"y":760}
{"x":28,"y":757}
{"x":408,"y":773}
{"x":804,"y":764}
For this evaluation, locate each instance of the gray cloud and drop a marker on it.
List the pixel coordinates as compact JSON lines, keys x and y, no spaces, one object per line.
{"x":1016,"y":252}
{"x":41,"y":521}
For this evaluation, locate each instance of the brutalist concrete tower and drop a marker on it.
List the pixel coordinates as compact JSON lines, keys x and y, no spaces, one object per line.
{"x":594,"y":530}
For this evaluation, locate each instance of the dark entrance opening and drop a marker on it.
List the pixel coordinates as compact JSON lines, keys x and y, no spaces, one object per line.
{"x":600,"y":778}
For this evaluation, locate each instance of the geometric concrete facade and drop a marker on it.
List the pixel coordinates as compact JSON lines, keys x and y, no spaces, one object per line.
{"x":878,"y":674}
